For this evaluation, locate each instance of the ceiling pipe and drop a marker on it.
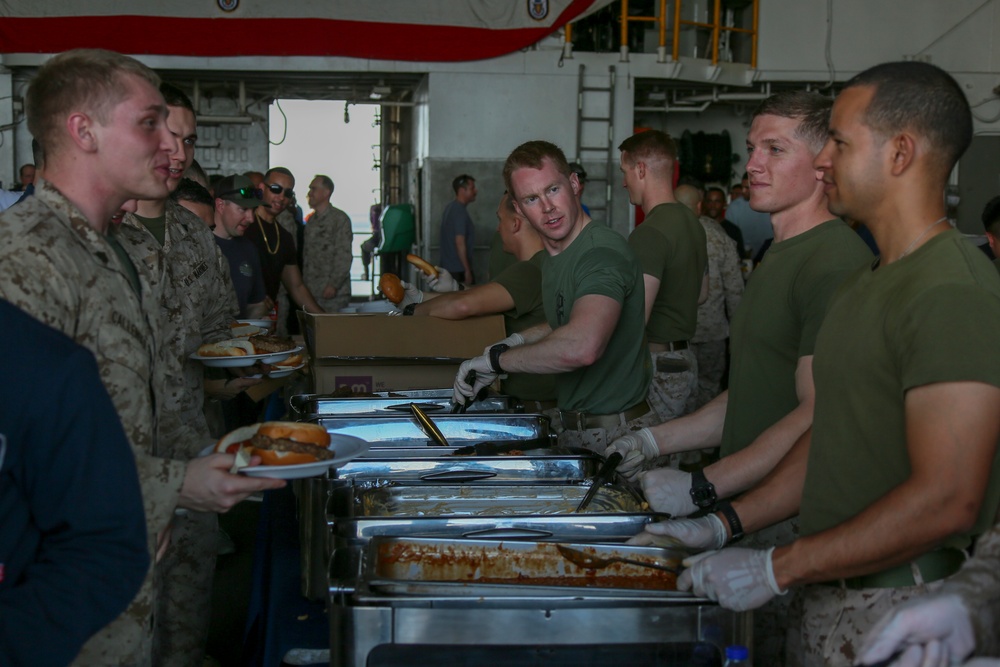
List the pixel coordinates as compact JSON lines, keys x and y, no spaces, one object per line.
{"x":666,"y":108}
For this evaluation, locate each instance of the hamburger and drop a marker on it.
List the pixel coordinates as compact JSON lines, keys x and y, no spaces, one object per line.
{"x":392,"y":287}
{"x":279,"y":443}
{"x":239,"y":347}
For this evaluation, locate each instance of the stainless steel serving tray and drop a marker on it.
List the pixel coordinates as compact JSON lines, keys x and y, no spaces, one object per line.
{"x":397,"y":499}
{"x":498,"y":568}
{"x":555,"y":467}
{"x":402,"y":431}
{"x":435,"y":401}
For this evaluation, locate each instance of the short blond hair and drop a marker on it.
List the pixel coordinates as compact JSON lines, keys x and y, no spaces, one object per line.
{"x":532,"y":154}
{"x":87,"y":80}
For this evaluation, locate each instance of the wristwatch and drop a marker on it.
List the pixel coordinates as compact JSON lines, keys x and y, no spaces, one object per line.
{"x":733,"y":519}
{"x":702,"y":490}
{"x":495,"y":353}
{"x":409,"y":309}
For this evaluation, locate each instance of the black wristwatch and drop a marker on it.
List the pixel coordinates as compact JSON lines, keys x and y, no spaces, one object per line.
{"x":733,"y":519}
{"x":409,"y":309}
{"x":702,"y":490}
{"x":495,"y":353}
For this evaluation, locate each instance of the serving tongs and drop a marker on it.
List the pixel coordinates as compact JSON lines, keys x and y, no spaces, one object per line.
{"x":587,"y":561}
{"x":427,"y":426}
{"x":460,"y":408}
{"x":602,"y":477}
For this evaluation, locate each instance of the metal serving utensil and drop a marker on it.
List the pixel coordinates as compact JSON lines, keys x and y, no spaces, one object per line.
{"x":593,"y":562}
{"x":427,"y":426}
{"x":600,"y":479}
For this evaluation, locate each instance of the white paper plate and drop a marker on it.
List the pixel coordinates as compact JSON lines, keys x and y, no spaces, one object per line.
{"x":267,"y":325}
{"x":346,"y":448}
{"x":278,"y":373}
{"x":248,"y":360}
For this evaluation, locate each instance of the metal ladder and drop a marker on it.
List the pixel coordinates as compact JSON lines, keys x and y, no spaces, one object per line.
{"x":595,"y":122}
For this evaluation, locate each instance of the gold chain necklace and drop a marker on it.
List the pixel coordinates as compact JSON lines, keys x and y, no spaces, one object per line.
{"x":277,"y":242}
{"x":922,"y":235}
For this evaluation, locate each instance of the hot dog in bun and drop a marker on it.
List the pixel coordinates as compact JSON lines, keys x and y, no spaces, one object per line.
{"x":429,"y":270}
{"x":392,"y":287}
{"x":279,"y":443}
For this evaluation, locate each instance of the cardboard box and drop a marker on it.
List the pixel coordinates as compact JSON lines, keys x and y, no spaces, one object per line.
{"x":377,"y":352}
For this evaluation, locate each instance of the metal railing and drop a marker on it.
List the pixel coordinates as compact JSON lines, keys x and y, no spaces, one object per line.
{"x":717,"y":28}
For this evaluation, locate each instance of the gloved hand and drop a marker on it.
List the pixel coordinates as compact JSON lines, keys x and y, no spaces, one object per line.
{"x":707,"y":532}
{"x":444,"y":282}
{"x":933,"y":630}
{"x":512,"y":340}
{"x":410,"y":295}
{"x":464,"y":392}
{"x":738,"y":579}
{"x":668,"y":490}
{"x":636,"y":448}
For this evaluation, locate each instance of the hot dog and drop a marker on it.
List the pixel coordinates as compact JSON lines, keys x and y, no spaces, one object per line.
{"x":429,"y":270}
{"x":392,"y":287}
{"x":279,"y":443}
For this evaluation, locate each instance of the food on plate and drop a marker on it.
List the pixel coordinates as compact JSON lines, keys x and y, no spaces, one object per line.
{"x":429,"y":270}
{"x":270,"y":344}
{"x":239,"y":330}
{"x":279,"y":443}
{"x":227,"y":348}
{"x":392,"y":287}
{"x":291,"y":362}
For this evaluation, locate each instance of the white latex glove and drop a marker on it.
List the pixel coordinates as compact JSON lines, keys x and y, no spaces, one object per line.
{"x":636,"y":448}
{"x":738,"y":579}
{"x":410,"y":295}
{"x":444,"y":282}
{"x":707,"y":532}
{"x":932,"y":630}
{"x":464,"y":392}
{"x":512,"y":340}
{"x":668,"y":490}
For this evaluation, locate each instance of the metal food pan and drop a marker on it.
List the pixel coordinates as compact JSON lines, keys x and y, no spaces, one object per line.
{"x":434,"y":401}
{"x":396,"y":499}
{"x":402,"y":430}
{"x":429,"y":566}
{"x":557,"y":467}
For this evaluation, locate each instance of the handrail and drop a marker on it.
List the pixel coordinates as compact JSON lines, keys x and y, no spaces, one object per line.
{"x":716,"y":27}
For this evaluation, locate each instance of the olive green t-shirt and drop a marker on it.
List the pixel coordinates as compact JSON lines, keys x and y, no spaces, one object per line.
{"x":930,"y":317}
{"x":523,"y":281}
{"x":599,"y":261}
{"x":776,"y":323}
{"x":499,"y":259}
{"x":157,"y":227}
{"x":671,"y":246}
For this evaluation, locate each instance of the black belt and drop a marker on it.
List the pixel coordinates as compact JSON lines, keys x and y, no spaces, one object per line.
{"x":581,"y":421}
{"x":933,"y":566}
{"x":672,"y":346}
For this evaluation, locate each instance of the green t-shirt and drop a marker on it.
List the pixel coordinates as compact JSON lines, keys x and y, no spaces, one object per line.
{"x":599,"y":261}
{"x":157,"y":227}
{"x":783,"y":306}
{"x":499,"y":258}
{"x":930,"y":317}
{"x":671,"y":246}
{"x":523,"y":281}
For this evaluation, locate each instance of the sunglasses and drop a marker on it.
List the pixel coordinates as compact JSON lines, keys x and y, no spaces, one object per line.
{"x":277,"y":189}
{"x":246,"y":193}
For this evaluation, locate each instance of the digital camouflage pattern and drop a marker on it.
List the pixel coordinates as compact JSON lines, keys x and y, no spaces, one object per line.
{"x":327,"y":257}
{"x":675,"y":378}
{"x":978,"y":584}
{"x":773,"y":622}
{"x":711,"y":358}
{"x":197,"y":305}
{"x":57,"y":268}
{"x":598,"y":439}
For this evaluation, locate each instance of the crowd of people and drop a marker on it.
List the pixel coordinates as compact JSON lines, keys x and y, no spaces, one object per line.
{"x":851,"y":444}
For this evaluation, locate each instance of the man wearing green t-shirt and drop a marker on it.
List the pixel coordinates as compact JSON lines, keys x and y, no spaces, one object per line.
{"x":769,"y":403}
{"x":898,"y":474}
{"x":516,"y":293}
{"x":991,"y":223}
{"x":671,"y":247}
{"x":594,"y":309}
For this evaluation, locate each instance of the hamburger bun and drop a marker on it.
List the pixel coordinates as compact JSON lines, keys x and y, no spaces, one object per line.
{"x":429,"y":270}
{"x":291,"y":362}
{"x":279,"y":443}
{"x":392,"y":287}
{"x":226,"y":348}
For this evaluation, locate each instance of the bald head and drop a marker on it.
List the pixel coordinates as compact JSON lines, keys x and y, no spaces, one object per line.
{"x":690,"y":196}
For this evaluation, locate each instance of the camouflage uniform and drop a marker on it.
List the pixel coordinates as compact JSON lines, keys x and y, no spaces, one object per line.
{"x":978,"y":583}
{"x":54,"y":266}
{"x":197,"y":304}
{"x":675,"y":378}
{"x":598,"y":439}
{"x":776,"y":624}
{"x":725,"y":289}
{"x":327,"y":257}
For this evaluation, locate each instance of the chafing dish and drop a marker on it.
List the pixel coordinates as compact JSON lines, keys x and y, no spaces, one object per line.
{"x":396,"y":499}
{"x":401,"y":431}
{"x":436,"y":401}
{"x":408,"y":618}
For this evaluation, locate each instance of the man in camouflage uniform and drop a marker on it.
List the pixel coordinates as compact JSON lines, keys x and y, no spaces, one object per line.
{"x":671,"y":248}
{"x":100,"y":121}
{"x":898,"y":474}
{"x":197,"y":305}
{"x":725,"y":289}
{"x":326,"y":253}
